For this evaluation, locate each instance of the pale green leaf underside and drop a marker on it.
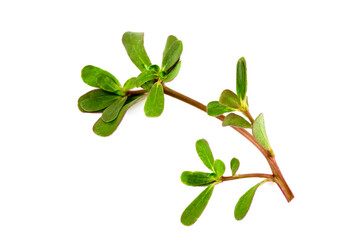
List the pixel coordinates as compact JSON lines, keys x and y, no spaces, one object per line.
{"x":236,"y":121}
{"x":214,"y":109}
{"x":234,"y":165}
{"x":259,"y":132}
{"x":154,"y":104}
{"x":241,"y":78}
{"x":197,"y":178}
{"x":244,"y":203}
{"x":229,"y":99}
{"x":134,"y":45}
{"x":112,"y":111}
{"x":105,"y":129}
{"x":196,"y":207}
{"x":219,"y":167}
{"x":205,"y":154}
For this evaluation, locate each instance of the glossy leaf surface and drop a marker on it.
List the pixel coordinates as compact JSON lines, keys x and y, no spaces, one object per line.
{"x":134,"y":45}
{"x":196,"y":207}
{"x":145,"y":77}
{"x":205,"y":154}
{"x":197,"y":178}
{"x":259,"y":132}
{"x":98,"y":103}
{"x":172,"y":55}
{"x":241,"y":78}
{"x":170,"y":40}
{"x":109,"y":84}
{"x":234,"y":165}
{"x":105,"y":129}
{"x":89,"y":75}
{"x":229,"y":99}
{"x":219,"y":167}
{"x":154,"y":104}
{"x":96,"y":93}
{"x":129,"y":84}
{"x":235,"y":120}
{"x":173,"y":73}
{"x":112,"y":111}
{"x":244,"y":203}
{"x":214,"y":109}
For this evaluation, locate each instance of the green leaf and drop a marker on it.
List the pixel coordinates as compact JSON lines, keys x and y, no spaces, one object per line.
{"x":154,"y":68}
{"x":148,"y":85}
{"x":205,"y":154}
{"x":105,"y":129}
{"x":96,"y":93}
{"x":196,"y":207}
{"x":97,"y":103}
{"x":154,"y":104}
{"x":229,"y":99}
{"x":241,"y":79}
{"x":111,"y":112}
{"x":170,"y":40}
{"x":236,"y":121}
{"x":173,"y":73}
{"x":134,"y":45}
{"x":214,"y":109}
{"x":172,"y":55}
{"x":110,"y":84}
{"x":89,"y":75}
{"x":234,"y":165}
{"x":219,"y":167}
{"x":145,"y":77}
{"x":129,"y":84}
{"x":197,"y":178}
{"x":259,"y":132}
{"x":244,"y":203}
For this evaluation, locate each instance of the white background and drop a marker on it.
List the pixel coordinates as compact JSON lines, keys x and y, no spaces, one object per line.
{"x":58,"y":180}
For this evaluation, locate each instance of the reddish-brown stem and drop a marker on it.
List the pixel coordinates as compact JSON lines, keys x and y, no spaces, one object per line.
{"x":249,"y":175}
{"x":277,"y":175}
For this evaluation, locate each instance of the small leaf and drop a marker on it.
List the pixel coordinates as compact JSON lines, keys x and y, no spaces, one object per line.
{"x":229,"y":99}
{"x":172,"y":55}
{"x":129,"y":84}
{"x":170,"y":40}
{"x":98,"y":103}
{"x":90,"y":73}
{"x":154,"y":68}
{"x":219,"y":167}
{"x":236,"y":121}
{"x":196,"y":207}
{"x":173,"y":73}
{"x":92,"y":95}
{"x":234,"y":165}
{"x":214,"y":109}
{"x":134,"y":45}
{"x":148,"y":85}
{"x":112,"y":111}
{"x":110,"y":84}
{"x":205,"y":154}
{"x":241,"y":79}
{"x":154,"y":104}
{"x":105,"y":129}
{"x":259,"y":132}
{"x":197,"y":178}
{"x":145,"y":77}
{"x":244,"y":203}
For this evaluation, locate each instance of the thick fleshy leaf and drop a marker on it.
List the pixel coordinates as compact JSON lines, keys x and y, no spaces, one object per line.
{"x":197,"y":178}
{"x":110,"y":84}
{"x":98,"y":103}
{"x":173,"y":73}
{"x":92,"y":95}
{"x":105,"y":129}
{"x":112,"y":111}
{"x":214,"y":109}
{"x":154,"y":104}
{"x":196,"y":207}
{"x":172,"y":55}
{"x":170,"y":40}
{"x":259,"y":132}
{"x":229,"y":99}
{"x":236,"y":121}
{"x":89,"y":75}
{"x":145,"y":77}
{"x":241,"y":79}
{"x":148,"y":85}
{"x":234,"y":165}
{"x":244,"y":203}
{"x":205,"y":154}
{"x":129,"y":84}
{"x":219,"y":167}
{"x":154,"y":68}
{"x":134,"y":45}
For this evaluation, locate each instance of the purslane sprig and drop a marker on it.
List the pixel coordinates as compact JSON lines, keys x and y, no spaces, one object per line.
{"x":113,"y":100}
